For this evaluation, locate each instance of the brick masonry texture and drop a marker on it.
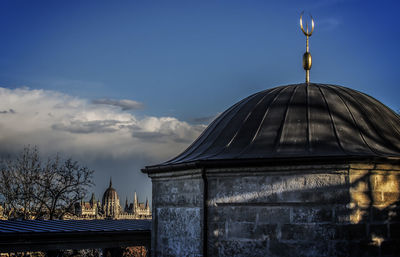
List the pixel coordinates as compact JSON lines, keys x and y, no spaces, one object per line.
{"x":177,"y":217}
{"x":350,"y":210}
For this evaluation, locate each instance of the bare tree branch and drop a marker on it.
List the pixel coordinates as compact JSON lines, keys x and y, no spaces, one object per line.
{"x":33,"y":189}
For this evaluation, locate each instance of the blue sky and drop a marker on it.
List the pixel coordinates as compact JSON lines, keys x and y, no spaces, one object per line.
{"x":182,"y":60}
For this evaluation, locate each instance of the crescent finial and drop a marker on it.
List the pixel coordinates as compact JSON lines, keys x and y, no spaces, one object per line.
{"x":307,"y":60}
{"x":306,"y":32}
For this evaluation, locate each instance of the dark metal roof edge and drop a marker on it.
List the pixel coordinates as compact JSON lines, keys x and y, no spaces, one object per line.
{"x":270,"y":161}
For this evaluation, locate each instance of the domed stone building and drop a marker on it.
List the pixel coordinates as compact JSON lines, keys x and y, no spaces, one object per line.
{"x":297,"y":170}
{"x":111,"y":206}
{"x":307,"y":169}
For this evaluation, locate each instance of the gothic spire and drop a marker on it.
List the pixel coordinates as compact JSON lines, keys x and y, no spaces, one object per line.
{"x":135,"y":201}
{"x":92,"y":199}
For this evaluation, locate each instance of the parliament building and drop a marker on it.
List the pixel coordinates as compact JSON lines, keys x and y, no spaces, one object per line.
{"x":110,"y":207}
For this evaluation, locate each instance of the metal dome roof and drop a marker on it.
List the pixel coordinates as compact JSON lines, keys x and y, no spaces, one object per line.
{"x":296,"y":121}
{"x":110,"y":194}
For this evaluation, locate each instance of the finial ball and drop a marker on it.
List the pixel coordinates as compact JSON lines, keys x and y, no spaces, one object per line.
{"x":307,"y":61}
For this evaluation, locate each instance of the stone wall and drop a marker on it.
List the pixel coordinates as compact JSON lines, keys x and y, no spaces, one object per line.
{"x":342,"y":210}
{"x":302,"y":210}
{"x":375,"y":207}
{"x":177,"y":214}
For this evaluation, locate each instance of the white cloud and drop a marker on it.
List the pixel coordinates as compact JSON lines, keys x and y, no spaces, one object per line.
{"x":58,"y":122}
{"x":107,"y":139}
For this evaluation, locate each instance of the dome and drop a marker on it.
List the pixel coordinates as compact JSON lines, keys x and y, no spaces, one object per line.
{"x":110,"y":194}
{"x":298,"y":121}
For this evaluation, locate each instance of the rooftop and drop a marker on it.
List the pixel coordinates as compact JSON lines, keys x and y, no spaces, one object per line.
{"x":298,"y":121}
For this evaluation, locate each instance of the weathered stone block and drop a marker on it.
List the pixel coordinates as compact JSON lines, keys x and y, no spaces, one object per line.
{"x":338,"y":248}
{"x":273,"y":215}
{"x":242,"y":248}
{"x":387,"y":166}
{"x":360,"y":183}
{"x":250,"y":231}
{"x":391,"y":197}
{"x":385,"y":182}
{"x":258,"y":214}
{"x":239,"y":230}
{"x":394,"y":213}
{"x":360,"y":215}
{"x":297,"y":248}
{"x":188,"y":200}
{"x":312,"y":214}
{"x":175,"y":186}
{"x":265,"y":231}
{"x":342,"y":213}
{"x":327,"y":196}
{"x":379,"y":231}
{"x":179,"y":231}
{"x":307,"y":232}
{"x":350,"y":232}
{"x":300,"y":215}
{"x":363,"y":166}
{"x":216,"y":231}
{"x":315,"y":181}
{"x":394,"y":230}
{"x":363,"y":198}
{"x":390,"y":248}
{"x":363,"y":248}
{"x":380,"y":215}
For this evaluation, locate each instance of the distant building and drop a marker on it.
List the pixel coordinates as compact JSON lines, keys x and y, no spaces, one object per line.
{"x":89,"y":209}
{"x":138,"y":210}
{"x":110,"y":207}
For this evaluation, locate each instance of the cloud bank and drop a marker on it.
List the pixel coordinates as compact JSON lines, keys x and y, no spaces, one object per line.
{"x":124,"y":104}
{"x":114,"y":142}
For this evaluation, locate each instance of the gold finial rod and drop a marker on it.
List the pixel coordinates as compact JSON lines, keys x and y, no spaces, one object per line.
{"x":307,"y":60}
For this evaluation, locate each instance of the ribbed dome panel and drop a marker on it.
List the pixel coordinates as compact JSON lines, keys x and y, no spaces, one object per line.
{"x":314,"y":120}
{"x":110,"y":195}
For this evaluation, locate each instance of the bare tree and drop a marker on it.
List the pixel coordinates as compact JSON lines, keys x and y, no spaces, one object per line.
{"x":63,"y":183}
{"x":32,"y":188}
{"x":17,"y":183}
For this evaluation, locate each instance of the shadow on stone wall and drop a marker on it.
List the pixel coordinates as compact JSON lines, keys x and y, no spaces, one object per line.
{"x":349,"y":212}
{"x":374,"y":212}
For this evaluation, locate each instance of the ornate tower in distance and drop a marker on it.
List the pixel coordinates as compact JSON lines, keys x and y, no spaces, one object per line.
{"x":111,"y":206}
{"x":112,"y":209}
